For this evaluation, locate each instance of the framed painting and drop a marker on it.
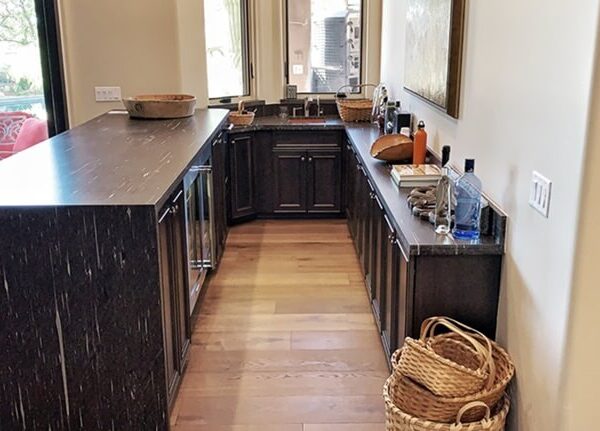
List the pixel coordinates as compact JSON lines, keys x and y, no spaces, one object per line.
{"x":434,"y":45}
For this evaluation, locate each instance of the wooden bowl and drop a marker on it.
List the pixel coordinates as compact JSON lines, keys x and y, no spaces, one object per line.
{"x":160,"y":106}
{"x":392,"y":148}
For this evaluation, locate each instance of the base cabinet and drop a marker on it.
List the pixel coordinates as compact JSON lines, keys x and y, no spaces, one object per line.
{"x":221,"y":184}
{"x":174,"y":291}
{"x":242,"y":177}
{"x":405,"y":289}
{"x":289,"y":168}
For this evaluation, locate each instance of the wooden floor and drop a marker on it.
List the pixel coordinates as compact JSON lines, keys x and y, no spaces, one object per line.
{"x":285,"y":340}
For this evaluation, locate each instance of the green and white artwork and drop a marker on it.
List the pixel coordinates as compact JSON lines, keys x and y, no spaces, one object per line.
{"x":433,"y":52}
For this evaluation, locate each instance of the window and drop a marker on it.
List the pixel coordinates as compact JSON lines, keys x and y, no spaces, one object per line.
{"x":226,"y":27}
{"x":31,"y":82}
{"x":324,"y":44}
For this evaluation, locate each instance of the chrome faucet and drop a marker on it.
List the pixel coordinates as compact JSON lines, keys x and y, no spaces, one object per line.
{"x":307,"y":103}
{"x":295,"y":111}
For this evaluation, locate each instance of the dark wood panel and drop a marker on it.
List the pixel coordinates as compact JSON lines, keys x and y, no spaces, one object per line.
{"x":324,"y":181}
{"x":465,"y":288}
{"x":289,"y":168}
{"x":242,"y":177}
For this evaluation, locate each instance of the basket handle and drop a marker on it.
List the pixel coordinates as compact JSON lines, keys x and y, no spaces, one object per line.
{"x":241,"y":107}
{"x":430,"y":325}
{"x":353,"y":86}
{"x":470,"y":406}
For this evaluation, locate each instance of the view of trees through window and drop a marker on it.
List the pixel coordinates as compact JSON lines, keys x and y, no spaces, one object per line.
{"x":21,"y":82}
{"x":226,"y":48}
{"x":324,"y":44}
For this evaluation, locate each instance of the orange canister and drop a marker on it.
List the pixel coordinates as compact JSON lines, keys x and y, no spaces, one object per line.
{"x":420,"y":146}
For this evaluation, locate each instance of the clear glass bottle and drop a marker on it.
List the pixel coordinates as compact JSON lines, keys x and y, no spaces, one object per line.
{"x":468,"y":204}
{"x":443,"y":197}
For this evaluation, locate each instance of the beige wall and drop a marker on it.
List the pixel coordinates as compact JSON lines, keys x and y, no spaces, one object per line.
{"x":132,"y":44}
{"x":526,"y":87}
{"x":192,"y":55}
{"x":581,"y":379}
{"x":157,"y":46}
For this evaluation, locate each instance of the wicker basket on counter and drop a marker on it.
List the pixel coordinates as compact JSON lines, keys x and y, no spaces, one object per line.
{"x":354,"y":110}
{"x":241,"y":117}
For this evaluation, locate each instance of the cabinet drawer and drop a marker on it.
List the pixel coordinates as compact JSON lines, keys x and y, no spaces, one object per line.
{"x":307,"y":139}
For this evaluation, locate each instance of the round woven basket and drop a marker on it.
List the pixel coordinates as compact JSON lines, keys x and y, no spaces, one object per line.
{"x":354,"y":110}
{"x":241,"y":117}
{"x":398,"y":420}
{"x":418,"y":401}
{"x":458,"y":369}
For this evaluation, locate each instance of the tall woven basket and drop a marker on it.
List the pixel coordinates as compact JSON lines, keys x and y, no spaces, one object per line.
{"x":398,"y":420}
{"x":354,"y":110}
{"x":449,"y":368}
{"x":416,"y":400}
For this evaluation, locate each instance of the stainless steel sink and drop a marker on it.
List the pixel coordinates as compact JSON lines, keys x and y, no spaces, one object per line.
{"x":306,"y":120}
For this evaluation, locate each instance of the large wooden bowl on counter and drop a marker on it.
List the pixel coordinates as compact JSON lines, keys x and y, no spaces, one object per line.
{"x":160,"y":106}
{"x":392,"y":148}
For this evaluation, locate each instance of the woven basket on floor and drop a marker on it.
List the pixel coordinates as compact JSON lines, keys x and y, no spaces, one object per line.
{"x":416,"y":400}
{"x":354,"y":110}
{"x":451,"y":370}
{"x":398,"y":420}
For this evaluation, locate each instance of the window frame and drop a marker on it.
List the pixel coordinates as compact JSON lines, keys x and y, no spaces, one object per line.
{"x":247,"y":59}
{"x":53,"y":75}
{"x":363,"y":41}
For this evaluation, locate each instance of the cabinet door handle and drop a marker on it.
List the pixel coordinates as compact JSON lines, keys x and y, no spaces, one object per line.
{"x":358,"y":167}
{"x":174,"y":209}
{"x":302,"y":158}
{"x":310,"y":159}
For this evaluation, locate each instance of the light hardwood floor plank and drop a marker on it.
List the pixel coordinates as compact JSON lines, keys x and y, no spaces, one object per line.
{"x":285,"y":339}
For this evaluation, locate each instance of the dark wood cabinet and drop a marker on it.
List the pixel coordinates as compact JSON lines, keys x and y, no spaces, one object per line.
{"x":378,"y":259}
{"x":289,"y":168}
{"x":324,"y":181}
{"x":242,"y":177}
{"x":221,"y":192}
{"x":307,"y":180}
{"x":400,"y":309}
{"x":174,"y":290}
{"x":405,"y":289}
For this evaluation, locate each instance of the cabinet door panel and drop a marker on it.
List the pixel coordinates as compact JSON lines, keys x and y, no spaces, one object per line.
{"x":388,"y":291}
{"x":290,"y":181}
{"x":242,"y":177}
{"x":404,"y":305}
{"x":168,"y":306}
{"x":324,"y":182}
{"x":180,"y":290}
{"x":378,"y":261}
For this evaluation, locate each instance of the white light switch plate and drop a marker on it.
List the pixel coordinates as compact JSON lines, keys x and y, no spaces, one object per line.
{"x":539,"y":194}
{"x":108,"y":94}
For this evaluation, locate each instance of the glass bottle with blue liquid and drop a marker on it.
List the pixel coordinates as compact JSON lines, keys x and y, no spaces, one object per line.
{"x":468,"y":204}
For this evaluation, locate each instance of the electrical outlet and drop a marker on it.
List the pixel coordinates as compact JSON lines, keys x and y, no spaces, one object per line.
{"x":108,"y":94}
{"x":539,"y":194}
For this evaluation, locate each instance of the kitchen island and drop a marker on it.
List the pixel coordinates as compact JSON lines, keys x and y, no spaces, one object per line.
{"x":82,"y":309}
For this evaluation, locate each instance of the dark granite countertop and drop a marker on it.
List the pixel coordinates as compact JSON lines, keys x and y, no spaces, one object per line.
{"x":110,"y":160}
{"x":416,"y":236}
{"x":277,"y":123}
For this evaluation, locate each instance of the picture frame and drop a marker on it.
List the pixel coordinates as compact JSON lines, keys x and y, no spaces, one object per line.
{"x":434,"y":52}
